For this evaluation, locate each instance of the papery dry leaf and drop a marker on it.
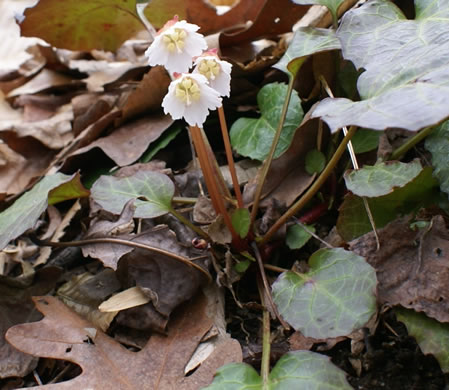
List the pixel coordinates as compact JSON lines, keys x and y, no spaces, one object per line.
{"x":54,"y":132}
{"x":13,"y":50}
{"x":106,"y":364}
{"x":16,"y":307}
{"x":101,"y":72}
{"x":45,"y":79}
{"x":127,"y":143}
{"x":411,"y":266}
{"x":274,"y":17}
{"x":148,"y":95}
{"x":116,"y":227}
{"x":84,"y":293}
{"x":168,"y":281}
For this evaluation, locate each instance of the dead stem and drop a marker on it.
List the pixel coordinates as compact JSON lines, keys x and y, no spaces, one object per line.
{"x":267,"y":285}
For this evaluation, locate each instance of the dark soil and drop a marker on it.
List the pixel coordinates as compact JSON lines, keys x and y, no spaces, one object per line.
{"x":390,"y":360}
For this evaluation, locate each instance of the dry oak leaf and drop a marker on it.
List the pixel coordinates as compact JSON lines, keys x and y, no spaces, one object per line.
{"x":106,"y":364}
{"x":411,"y":265}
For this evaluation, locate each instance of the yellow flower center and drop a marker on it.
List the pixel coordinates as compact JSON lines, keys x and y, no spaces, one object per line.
{"x":188,"y":91}
{"x":209,"y":68}
{"x":175,"y":40}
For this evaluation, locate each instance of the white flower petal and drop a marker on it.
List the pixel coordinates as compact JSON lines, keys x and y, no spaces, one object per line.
{"x":193,"y":111}
{"x":222,"y":82}
{"x":196,"y":114}
{"x":180,"y":59}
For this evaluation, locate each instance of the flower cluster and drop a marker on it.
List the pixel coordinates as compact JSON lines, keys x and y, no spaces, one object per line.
{"x":178,"y":47}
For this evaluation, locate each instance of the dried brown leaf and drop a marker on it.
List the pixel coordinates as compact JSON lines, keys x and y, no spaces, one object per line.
{"x":127,"y":143}
{"x":106,"y":364}
{"x":411,"y":266}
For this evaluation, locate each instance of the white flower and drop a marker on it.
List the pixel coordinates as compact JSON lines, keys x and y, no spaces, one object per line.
{"x":175,"y":45}
{"x":217,"y":72}
{"x":191,"y":98}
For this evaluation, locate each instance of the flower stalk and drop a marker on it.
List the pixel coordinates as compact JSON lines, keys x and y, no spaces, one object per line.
{"x":313,"y":188}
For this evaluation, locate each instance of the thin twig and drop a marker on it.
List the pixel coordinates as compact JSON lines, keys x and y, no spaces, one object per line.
{"x":118,"y":241}
{"x":267,"y":285}
{"x":269,"y":159}
{"x":355,"y":164}
{"x":313,"y":189}
{"x":266,"y":340}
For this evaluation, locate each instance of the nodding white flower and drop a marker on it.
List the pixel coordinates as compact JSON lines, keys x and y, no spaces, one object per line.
{"x":175,"y":45}
{"x":217,"y":72}
{"x":190,"y":97}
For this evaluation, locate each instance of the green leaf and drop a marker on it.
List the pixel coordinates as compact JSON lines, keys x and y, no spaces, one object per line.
{"x":303,"y":370}
{"x":72,"y":189}
{"x":253,"y":137}
{"x":406,"y":78}
{"x":166,"y":137}
{"x":297,"y":236}
{"x":26,"y":210}
{"x":315,"y":161}
{"x":241,"y":220}
{"x":333,"y":299}
{"x":353,"y":221}
{"x":431,"y":335}
{"x":153,"y":191}
{"x":332,"y":5}
{"x":365,"y":140}
{"x":382,"y":178}
{"x":82,"y":24}
{"x":437,"y":144}
{"x":305,"y":42}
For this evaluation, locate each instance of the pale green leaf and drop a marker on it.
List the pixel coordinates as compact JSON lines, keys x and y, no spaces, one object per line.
{"x":297,"y":236}
{"x":381,"y":179}
{"x":315,"y":161}
{"x":82,"y":24}
{"x":431,"y":335}
{"x":241,"y":221}
{"x":353,"y":220}
{"x":303,"y":370}
{"x":332,"y":5}
{"x":406,"y":79}
{"x":153,"y":191}
{"x":306,"y":41}
{"x":253,"y":137}
{"x":26,"y":210}
{"x":365,"y":140}
{"x":336,"y":297}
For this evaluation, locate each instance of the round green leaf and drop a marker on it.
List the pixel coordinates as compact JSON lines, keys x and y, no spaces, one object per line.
{"x":297,"y":236}
{"x":241,"y":220}
{"x":406,"y":79}
{"x":382,"y":178}
{"x":303,"y":370}
{"x":305,"y":42}
{"x":26,"y":210}
{"x":431,"y":335}
{"x":353,"y":220}
{"x":82,"y":24}
{"x":153,"y":191}
{"x":253,"y":137}
{"x":333,"y":299}
{"x":315,"y":161}
{"x":365,"y":140}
